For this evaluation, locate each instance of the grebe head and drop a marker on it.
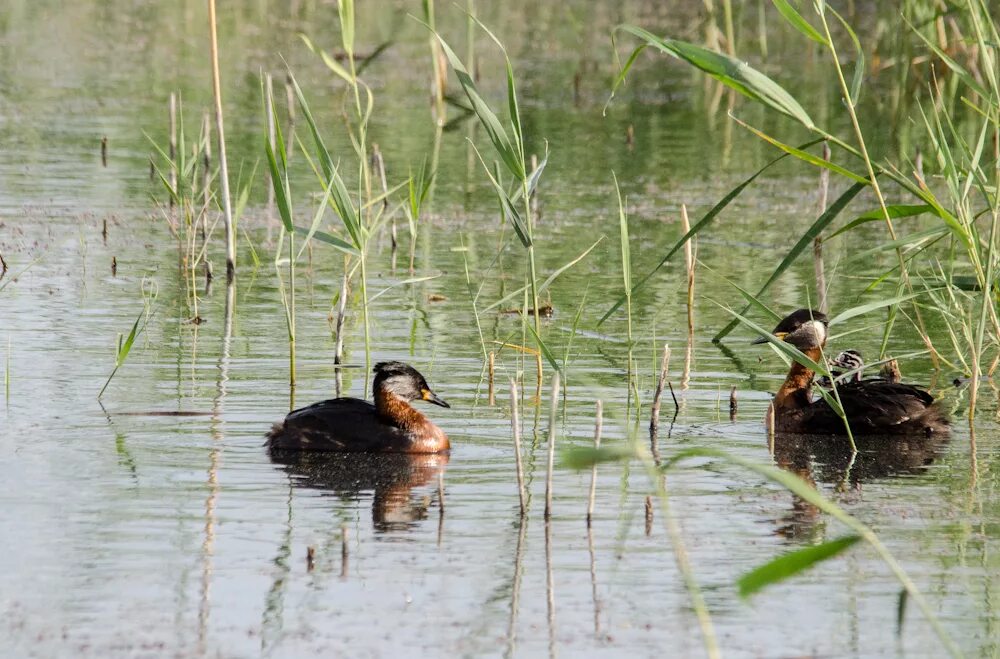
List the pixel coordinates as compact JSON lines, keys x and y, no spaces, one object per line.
{"x":804,"y":329}
{"x":405,"y":382}
{"x":847,"y":361}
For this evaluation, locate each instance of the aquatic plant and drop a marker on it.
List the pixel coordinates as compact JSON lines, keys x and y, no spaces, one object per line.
{"x":223,"y":160}
{"x":510,"y":148}
{"x":969,"y":199}
{"x":182,"y":171}
{"x":788,"y":564}
{"x":362,"y":211}
{"x":124,"y":346}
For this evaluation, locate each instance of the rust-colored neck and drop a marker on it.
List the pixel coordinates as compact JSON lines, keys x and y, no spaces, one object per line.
{"x":423,"y":435}
{"x":397,"y":411}
{"x":796,"y":392}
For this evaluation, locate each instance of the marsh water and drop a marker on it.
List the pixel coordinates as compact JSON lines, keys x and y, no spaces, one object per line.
{"x":155,"y":524}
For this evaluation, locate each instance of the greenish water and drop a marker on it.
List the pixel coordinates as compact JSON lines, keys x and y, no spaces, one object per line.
{"x":132,"y":532}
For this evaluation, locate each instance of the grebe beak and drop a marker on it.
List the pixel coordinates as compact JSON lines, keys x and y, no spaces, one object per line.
{"x":432,"y":397}
{"x":778,"y":335}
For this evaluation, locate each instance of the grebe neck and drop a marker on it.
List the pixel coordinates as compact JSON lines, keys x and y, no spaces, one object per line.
{"x":397,"y":411}
{"x":796,"y":392}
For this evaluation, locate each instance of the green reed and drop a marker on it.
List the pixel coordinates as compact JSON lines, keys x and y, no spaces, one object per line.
{"x":418,"y":189}
{"x":627,"y":280}
{"x":124,"y":345}
{"x":182,"y":172}
{"x":510,"y":148}
{"x":361,"y":211}
{"x":966,"y":206}
{"x":781,"y":567}
{"x":335,"y":194}
{"x":438,"y":67}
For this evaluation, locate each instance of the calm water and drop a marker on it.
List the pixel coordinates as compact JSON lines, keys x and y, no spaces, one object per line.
{"x":131,"y":532}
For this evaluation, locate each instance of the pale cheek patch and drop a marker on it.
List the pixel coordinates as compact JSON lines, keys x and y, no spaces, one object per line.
{"x":819,"y":329}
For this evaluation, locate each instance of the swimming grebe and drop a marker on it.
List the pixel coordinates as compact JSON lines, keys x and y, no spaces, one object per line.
{"x":872,"y":407}
{"x":351,"y":425}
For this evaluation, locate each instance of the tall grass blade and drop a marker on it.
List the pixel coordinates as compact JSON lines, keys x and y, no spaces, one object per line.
{"x":623,"y":235}
{"x":507,"y":204}
{"x":804,"y":242}
{"x":506,"y":149}
{"x":533,"y":177}
{"x":859,"y":63}
{"x":326,"y":160}
{"x":549,"y":356}
{"x":792,"y":563}
{"x":338,"y":190}
{"x":330,"y":62}
{"x":276,"y":162}
{"x":795,"y":19}
{"x":873,"y":306}
{"x":280,"y":192}
{"x":585,"y":457}
{"x":317,"y":218}
{"x":329,"y":239}
{"x":729,"y":71}
{"x":123,"y":350}
{"x":548,"y":280}
{"x":623,"y":70}
{"x":802,"y":155}
{"x":805,"y":491}
{"x":896,"y":211}
{"x":698,"y":226}
{"x":787,"y":349}
{"x":957,"y":68}
{"x":754,"y":302}
{"x":347,"y":25}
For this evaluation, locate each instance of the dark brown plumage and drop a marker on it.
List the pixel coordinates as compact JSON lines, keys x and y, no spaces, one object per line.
{"x":872,"y":407}
{"x":351,"y":425}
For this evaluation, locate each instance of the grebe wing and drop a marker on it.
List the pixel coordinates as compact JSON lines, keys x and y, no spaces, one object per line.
{"x":874,"y":406}
{"x":338,"y":424}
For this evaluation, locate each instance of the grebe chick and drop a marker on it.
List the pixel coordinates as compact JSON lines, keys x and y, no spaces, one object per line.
{"x":351,"y":425}
{"x":872,"y":407}
{"x":847,"y":366}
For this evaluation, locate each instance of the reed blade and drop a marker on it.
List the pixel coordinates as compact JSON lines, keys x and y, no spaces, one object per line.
{"x":792,"y":563}
{"x":804,"y":242}
{"x":729,"y":71}
{"x":698,"y":226}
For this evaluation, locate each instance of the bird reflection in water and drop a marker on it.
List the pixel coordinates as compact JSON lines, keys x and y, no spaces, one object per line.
{"x":391,"y":477}
{"x":826,"y":459}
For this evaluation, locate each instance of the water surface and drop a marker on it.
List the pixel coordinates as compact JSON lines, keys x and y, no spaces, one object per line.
{"x":133,"y":530}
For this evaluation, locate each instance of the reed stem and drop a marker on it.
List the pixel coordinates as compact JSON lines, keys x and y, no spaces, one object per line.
{"x":654,"y":420}
{"x":689,"y":261}
{"x":172,"y":145}
{"x":873,"y":179}
{"x":554,"y":405}
{"x":223,"y":163}
{"x":515,"y":424}
{"x":492,"y":373}
{"x":598,"y":422}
